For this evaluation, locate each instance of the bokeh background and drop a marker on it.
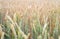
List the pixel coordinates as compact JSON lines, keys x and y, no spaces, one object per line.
{"x":29,"y":19}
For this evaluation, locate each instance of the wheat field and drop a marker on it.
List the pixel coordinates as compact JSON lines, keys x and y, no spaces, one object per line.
{"x":29,"y":19}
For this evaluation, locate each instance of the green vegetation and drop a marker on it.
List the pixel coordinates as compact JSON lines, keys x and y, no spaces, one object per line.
{"x":30,"y":26}
{"x":29,"y":19}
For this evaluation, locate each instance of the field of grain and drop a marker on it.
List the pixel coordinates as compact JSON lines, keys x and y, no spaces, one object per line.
{"x":29,"y":19}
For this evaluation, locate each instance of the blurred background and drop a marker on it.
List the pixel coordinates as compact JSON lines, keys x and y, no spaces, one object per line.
{"x":29,"y":19}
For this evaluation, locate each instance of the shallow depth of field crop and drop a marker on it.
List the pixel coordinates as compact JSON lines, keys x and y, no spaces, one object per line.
{"x":30,"y":20}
